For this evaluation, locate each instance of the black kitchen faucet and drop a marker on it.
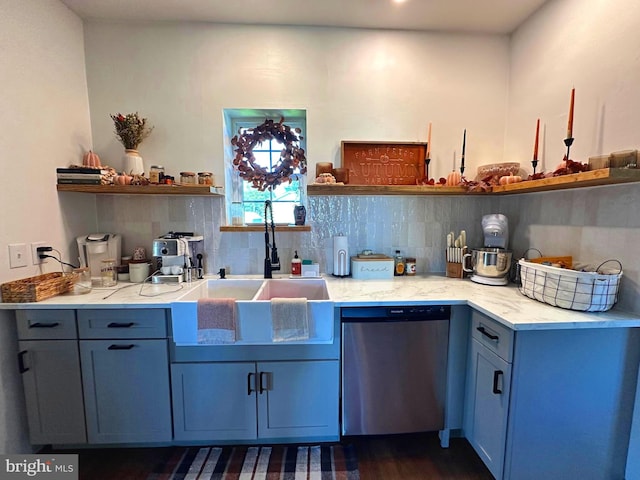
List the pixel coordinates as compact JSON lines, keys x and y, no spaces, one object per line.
{"x":271,"y":260}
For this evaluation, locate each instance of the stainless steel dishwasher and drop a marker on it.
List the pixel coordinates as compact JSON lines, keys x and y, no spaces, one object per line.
{"x":394,"y":369}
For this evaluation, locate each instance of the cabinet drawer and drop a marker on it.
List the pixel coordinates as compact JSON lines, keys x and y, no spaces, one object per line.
{"x":493,"y":335}
{"x":122,"y":323}
{"x":46,"y":324}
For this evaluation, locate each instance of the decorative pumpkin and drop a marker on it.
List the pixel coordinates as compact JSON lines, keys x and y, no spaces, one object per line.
{"x":91,"y":159}
{"x":453,"y":179}
{"x":509,"y":179}
{"x":122,"y":179}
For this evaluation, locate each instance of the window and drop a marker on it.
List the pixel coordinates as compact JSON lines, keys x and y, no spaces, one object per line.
{"x":247,"y":203}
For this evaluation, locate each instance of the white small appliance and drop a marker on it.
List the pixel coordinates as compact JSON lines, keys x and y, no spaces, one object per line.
{"x":491,"y":264}
{"x":96,"y":247}
{"x":341,"y":260}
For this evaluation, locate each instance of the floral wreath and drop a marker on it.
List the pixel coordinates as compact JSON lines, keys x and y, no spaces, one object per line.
{"x":291,"y":156}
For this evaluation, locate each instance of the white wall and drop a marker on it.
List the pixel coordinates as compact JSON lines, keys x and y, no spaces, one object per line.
{"x":591,"y":46}
{"x":354,"y":84}
{"x":44,"y":122}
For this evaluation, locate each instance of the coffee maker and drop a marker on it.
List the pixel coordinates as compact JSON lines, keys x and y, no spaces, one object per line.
{"x":175,"y":253}
{"x":96,"y":247}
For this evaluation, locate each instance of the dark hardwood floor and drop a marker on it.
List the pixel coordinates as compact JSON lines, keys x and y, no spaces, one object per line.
{"x":396,"y":457}
{"x":417,"y":457}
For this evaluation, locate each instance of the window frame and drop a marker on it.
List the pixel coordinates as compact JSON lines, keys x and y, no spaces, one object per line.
{"x":237,"y":202}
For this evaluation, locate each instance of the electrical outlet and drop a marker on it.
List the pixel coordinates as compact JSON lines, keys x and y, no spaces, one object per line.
{"x":18,"y":255}
{"x":34,"y":253}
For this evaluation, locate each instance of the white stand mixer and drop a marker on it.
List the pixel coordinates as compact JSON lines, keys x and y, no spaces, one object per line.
{"x":491,"y":264}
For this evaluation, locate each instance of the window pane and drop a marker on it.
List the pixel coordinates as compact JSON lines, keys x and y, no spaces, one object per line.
{"x":263,"y":159}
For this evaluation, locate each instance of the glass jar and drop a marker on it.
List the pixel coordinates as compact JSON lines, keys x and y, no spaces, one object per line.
{"x":237,"y":214}
{"x":83,"y":282}
{"x":156,"y":174}
{"x":409,"y":266}
{"x":187,"y":178}
{"x":108,"y":272}
{"x":205,"y":178}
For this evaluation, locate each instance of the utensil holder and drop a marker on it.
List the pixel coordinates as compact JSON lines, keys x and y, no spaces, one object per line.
{"x":454,"y":270}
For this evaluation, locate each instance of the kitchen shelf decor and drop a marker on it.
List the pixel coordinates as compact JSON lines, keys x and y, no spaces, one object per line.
{"x":603,"y":176}
{"x":131,"y":130}
{"x":143,"y":189}
{"x":384,"y":163}
{"x":292,"y":157}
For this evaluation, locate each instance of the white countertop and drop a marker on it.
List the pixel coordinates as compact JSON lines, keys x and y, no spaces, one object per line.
{"x":503,"y":303}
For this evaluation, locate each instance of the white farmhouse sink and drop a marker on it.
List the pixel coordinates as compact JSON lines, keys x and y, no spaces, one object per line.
{"x":253,"y":308}
{"x":311,"y":289}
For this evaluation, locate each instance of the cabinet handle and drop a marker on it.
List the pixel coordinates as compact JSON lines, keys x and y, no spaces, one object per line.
{"x":121,"y":347}
{"x":487,"y":334}
{"x":496,"y":377}
{"x":120,"y":325}
{"x":264,"y":384}
{"x":21,"y":366}
{"x":44,"y":325}
{"x":249,"y":389}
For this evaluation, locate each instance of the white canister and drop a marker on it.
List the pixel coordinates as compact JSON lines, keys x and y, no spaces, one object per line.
{"x":341,"y":260}
{"x":138,"y":272}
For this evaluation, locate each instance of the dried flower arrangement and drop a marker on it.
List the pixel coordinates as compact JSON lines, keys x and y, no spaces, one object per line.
{"x":291,"y":157}
{"x":131,"y":130}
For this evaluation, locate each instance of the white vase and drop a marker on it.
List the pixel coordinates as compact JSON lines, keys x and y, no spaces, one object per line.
{"x":132,"y":162}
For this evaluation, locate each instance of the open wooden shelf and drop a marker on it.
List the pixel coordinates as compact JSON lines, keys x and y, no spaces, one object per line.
{"x":603,"y":176}
{"x":592,"y":178}
{"x":385,"y":190}
{"x":142,"y":189}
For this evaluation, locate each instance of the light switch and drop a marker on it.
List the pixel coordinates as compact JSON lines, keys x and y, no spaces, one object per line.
{"x":17,"y":255}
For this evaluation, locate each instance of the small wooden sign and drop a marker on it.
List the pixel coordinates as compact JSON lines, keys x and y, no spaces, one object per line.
{"x":384,"y":163}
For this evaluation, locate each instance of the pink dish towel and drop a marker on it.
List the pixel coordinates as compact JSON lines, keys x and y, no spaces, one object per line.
{"x":216,"y":320}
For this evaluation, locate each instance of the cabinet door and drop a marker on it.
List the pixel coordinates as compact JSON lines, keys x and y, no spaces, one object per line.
{"x":53,"y":391}
{"x":214,"y":401}
{"x":126,"y":385}
{"x":298,"y":399}
{"x":488,"y":406}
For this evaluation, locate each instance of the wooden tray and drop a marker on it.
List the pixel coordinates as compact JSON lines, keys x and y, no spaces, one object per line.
{"x":384,"y":163}
{"x":40,"y":287}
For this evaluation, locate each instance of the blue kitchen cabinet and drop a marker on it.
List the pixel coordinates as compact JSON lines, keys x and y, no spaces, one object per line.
{"x":488,"y":391}
{"x":214,"y":401}
{"x":50,"y":367}
{"x":126,"y":385}
{"x":565,"y":413}
{"x":489,"y":399}
{"x":298,"y":399}
{"x":125,"y":374}
{"x":244,"y":401}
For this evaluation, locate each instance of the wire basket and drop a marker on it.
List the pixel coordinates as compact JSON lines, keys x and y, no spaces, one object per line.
{"x":564,"y":288}
{"x":40,"y":287}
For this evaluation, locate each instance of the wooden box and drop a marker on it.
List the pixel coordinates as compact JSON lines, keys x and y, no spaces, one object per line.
{"x":384,"y":163}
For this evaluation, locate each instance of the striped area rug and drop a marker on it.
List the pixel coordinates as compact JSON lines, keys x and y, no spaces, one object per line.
{"x":282,"y":462}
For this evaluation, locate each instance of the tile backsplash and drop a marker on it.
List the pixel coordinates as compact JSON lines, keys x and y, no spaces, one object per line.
{"x":591,"y":224}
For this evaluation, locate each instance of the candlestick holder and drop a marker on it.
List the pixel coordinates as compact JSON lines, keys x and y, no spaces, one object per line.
{"x":462,"y":166}
{"x":534,"y":163}
{"x":568,"y":142}
{"x":427,"y":161}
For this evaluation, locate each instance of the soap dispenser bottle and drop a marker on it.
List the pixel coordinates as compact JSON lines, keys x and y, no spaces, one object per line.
{"x":296,"y":265}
